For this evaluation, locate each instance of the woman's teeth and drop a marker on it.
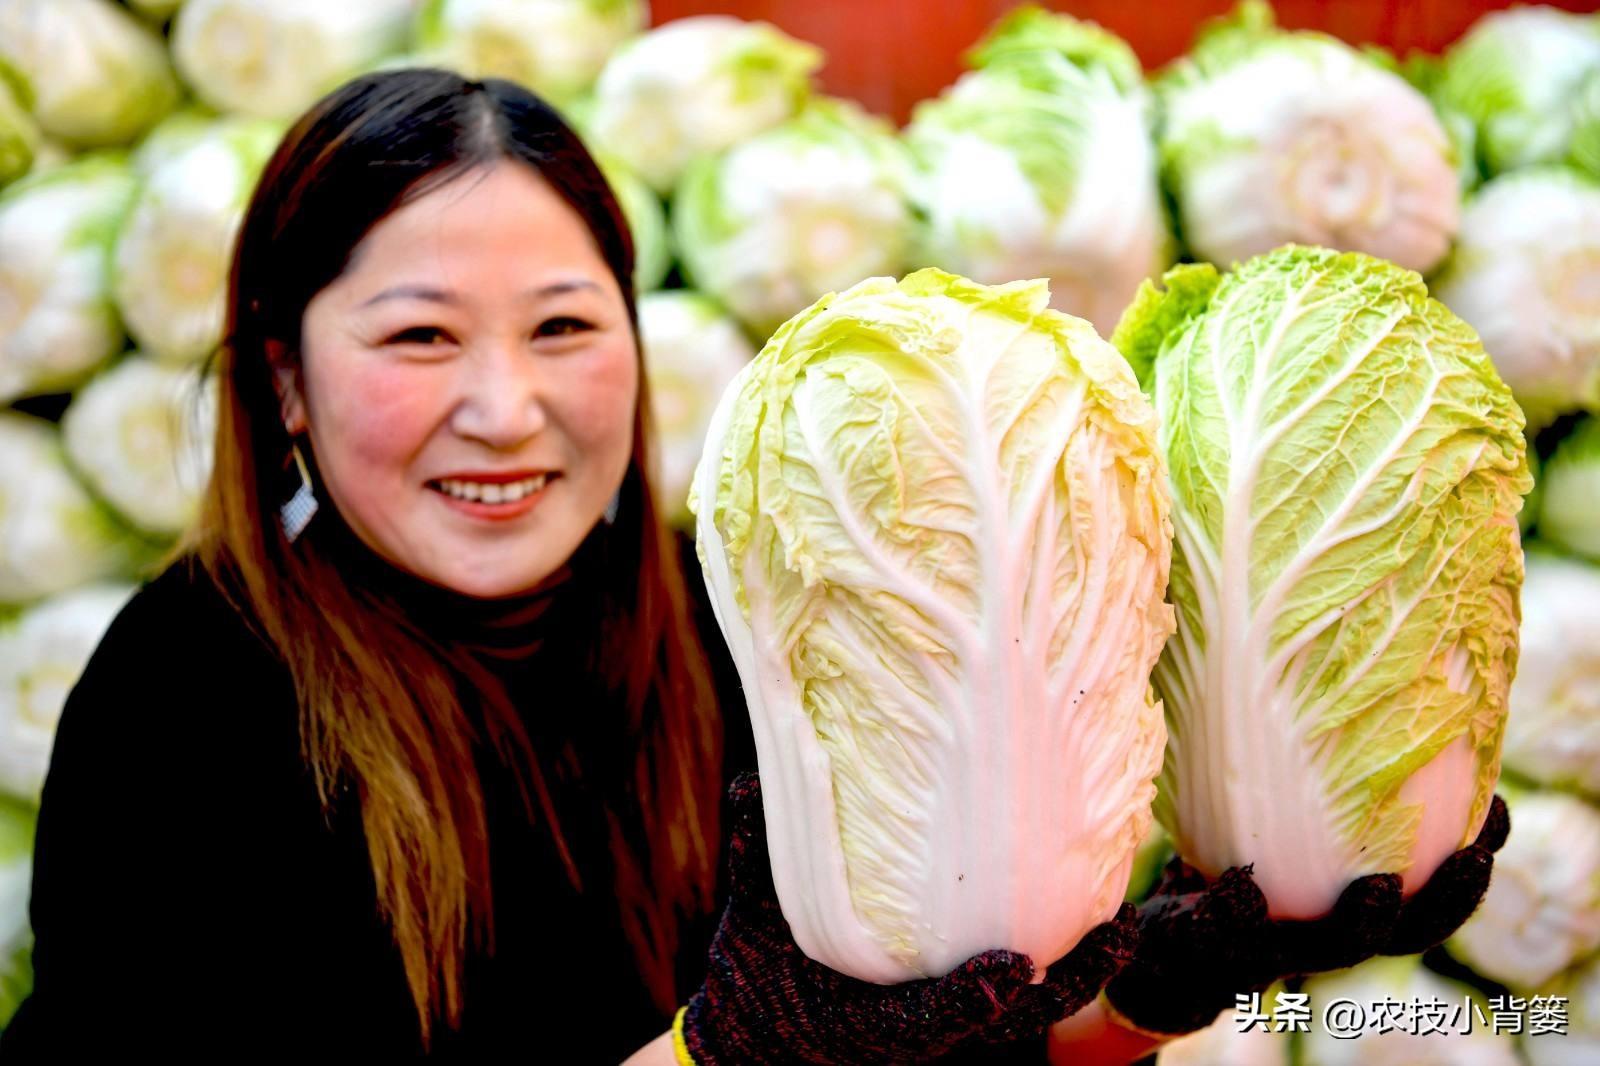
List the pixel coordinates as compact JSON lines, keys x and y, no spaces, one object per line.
{"x":481,"y":492}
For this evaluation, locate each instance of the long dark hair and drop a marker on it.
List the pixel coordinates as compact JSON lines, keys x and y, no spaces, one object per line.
{"x":381,"y":709}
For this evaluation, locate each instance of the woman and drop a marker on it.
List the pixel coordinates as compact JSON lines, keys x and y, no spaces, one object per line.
{"x":413,"y":747}
{"x":441,"y":767}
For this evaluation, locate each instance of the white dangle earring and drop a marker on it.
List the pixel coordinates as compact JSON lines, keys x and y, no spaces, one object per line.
{"x":610,"y":515}
{"x":296,"y":514}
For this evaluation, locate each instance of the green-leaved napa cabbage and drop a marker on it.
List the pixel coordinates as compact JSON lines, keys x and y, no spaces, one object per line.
{"x":1346,"y":473}
{"x":934,"y":525}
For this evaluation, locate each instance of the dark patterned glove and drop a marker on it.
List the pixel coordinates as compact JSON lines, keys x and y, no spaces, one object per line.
{"x":764,"y":1001}
{"x":1202,"y":944}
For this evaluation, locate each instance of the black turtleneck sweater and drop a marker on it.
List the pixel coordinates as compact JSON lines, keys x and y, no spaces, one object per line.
{"x":189,"y":896}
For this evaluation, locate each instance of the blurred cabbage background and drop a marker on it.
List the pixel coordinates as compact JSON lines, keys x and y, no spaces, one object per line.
{"x":132,"y":133}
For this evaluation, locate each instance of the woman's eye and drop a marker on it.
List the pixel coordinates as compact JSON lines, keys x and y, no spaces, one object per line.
{"x":425,"y":335}
{"x":557,"y":327}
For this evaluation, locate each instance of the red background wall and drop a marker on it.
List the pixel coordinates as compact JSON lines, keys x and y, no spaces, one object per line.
{"x":888,"y":54}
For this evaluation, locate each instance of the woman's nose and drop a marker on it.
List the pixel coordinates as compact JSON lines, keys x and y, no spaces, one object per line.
{"x":503,"y":397}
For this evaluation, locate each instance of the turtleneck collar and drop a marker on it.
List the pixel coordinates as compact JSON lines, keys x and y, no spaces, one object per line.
{"x":503,"y":630}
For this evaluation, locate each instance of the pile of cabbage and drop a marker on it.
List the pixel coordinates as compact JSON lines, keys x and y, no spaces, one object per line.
{"x":1325,"y":385}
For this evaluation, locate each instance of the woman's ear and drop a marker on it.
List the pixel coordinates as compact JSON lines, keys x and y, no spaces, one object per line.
{"x":286,"y":380}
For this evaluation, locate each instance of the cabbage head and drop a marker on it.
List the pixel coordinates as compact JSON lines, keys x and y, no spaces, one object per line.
{"x":19,"y":133}
{"x":1085,"y":44}
{"x":1526,"y":274}
{"x":174,"y":253}
{"x":275,"y":58}
{"x":54,"y":534}
{"x":1270,"y":137}
{"x":692,"y":350}
{"x":934,"y":526}
{"x":1035,"y":167}
{"x":99,"y":77}
{"x":141,"y":434}
{"x":57,"y":319}
{"x":43,"y":652}
{"x":694,"y":87}
{"x":1516,"y":74}
{"x":808,"y":207}
{"x":1553,"y":732}
{"x":1542,"y":911}
{"x":554,"y":47}
{"x":1570,"y":506}
{"x":1346,"y":474}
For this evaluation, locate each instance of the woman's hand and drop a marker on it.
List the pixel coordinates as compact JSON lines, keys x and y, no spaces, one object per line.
{"x":765,"y":1001}
{"x":1203,"y":943}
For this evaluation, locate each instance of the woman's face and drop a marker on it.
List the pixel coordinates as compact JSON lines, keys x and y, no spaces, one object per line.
{"x":469,"y":382}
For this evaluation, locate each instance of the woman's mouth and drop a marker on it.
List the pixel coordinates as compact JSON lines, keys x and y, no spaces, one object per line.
{"x":492,"y":499}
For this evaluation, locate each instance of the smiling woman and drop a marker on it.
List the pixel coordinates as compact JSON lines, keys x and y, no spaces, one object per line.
{"x":439,"y":768}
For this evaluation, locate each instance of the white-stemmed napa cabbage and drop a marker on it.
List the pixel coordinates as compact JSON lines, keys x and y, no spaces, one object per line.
{"x":809,"y":207}
{"x":1515,"y":74}
{"x":1553,"y":731}
{"x":99,"y":76}
{"x":1033,"y":167}
{"x":42,"y":654}
{"x":1526,"y":274}
{"x":1569,"y":513}
{"x":647,"y":221}
{"x":693,"y":87}
{"x":1346,"y":474}
{"x":934,"y":526}
{"x":19,"y":133}
{"x":1086,"y":44}
{"x":57,"y":319}
{"x":1579,"y":1042}
{"x":174,"y":252}
{"x":275,"y":58}
{"x":1436,"y":1022}
{"x":54,"y":535}
{"x":1542,"y":911}
{"x":141,"y":434}
{"x":554,"y":47}
{"x":692,"y":350}
{"x":17,"y":821}
{"x":1269,"y":137}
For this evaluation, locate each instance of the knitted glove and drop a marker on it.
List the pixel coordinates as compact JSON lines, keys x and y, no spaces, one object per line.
{"x":764,"y":1001}
{"x":1201,"y":944}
